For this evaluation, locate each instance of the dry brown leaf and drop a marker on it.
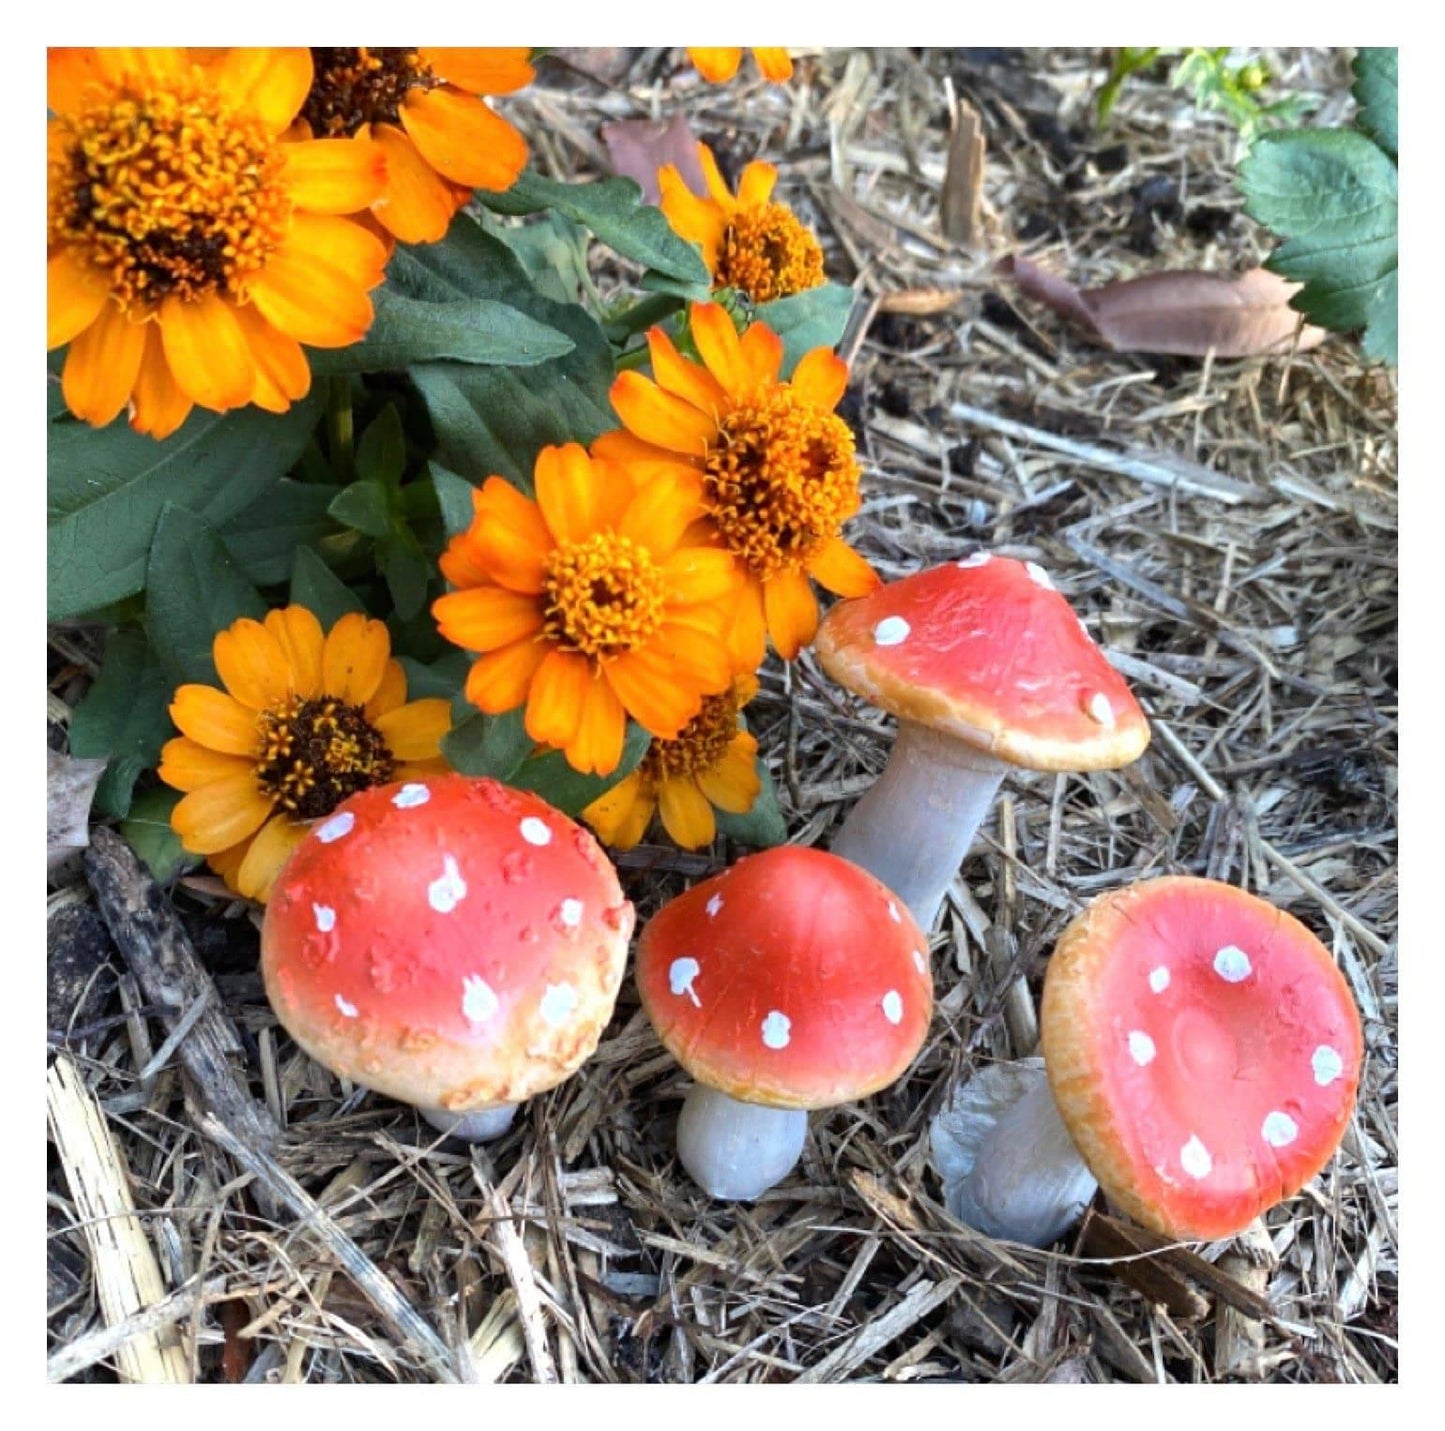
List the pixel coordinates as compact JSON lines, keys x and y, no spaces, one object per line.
{"x":1187,"y":312}
{"x":638,"y":148}
{"x":961,"y":202}
{"x":69,"y":789}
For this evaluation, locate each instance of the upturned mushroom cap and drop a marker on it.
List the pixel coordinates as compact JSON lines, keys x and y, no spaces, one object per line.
{"x":793,"y":979}
{"x":1203,"y":1050}
{"x":986,"y":650}
{"x":449,"y":942}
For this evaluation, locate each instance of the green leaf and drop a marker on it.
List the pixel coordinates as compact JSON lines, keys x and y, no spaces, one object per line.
{"x":488,"y":745}
{"x":613,"y":210}
{"x":148,"y":832}
{"x":1377,"y":92}
{"x":363,"y":506}
{"x":568,"y":790}
{"x":804,"y":321}
{"x":316,"y":587}
{"x":454,"y":498}
{"x":107,"y":487}
{"x":553,"y":251}
{"x":406,"y":569}
{"x":263,"y":539}
{"x":193,"y":590}
{"x":443,"y":678}
{"x":410,"y":330}
{"x":381,"y":453}
{"x":1333,"y":196}
{"x":762,"y":825}
{"x":123,"y":717}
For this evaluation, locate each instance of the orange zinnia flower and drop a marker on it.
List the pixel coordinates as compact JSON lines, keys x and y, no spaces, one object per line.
{"x":711,"y":762}
{"x":589,"y":604}
{"x":778,"y":470}
{"x":422,"y":107}
{"x":304,"y":721}
{"x":190,"y":252}
{"x":748,"y":242}
{"x":717,"y":66}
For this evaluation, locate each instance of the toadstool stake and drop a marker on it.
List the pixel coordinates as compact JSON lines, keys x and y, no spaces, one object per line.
{"x":986,"y":667}
{"x":791,"y":981}
{"x":1202,"y":1053}
{"x":450,"y":942}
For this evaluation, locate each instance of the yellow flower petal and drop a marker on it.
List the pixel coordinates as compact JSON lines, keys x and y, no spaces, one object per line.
{"x":417,"y":204}
{"x":334,"y":176}
{"x":414,"y":732}
{"x":699,"y":574}
{"x":792,"y":612}
{"x":499,"y":681}
{"x":597,"y":746}
{"x":557,"y":698}
{"x":755,"y":187}
{"x":311,"y":300}
{"x":573,"y":503}
{"x":76,"y":292}
{"x":685,"y":379}
{"x":481,"y":71}
{"x":267,"y":856}
{"x":619,"y":818}
{"x":718,"y":343}
{"x":390,"y":694}
{"x":717,"y":186}
{"x":660,"y":512}
{"x":220,"y":814}
{"x":270,"y":83}
{"x":484,"y":618}
{"x":775,"y":63}
{"x":102,"y":365}
{"x":647,"y":685}
{"x":733,"y":783}
{"x":207,"y":351}
{"x":215,"y":720}
{"x":282,"y":373}
{"x":820,"y":379}
{"x":185,"y":765}
{"x":298,"y":633}
{"x":661,"y":418}
{"x":686,"y":815}
{"x":716,"y":65}
{"x":252,"y":664}
{"x":839,"y":568}
{"x":158,"y":404}
{"x":461,"y":138}
{"x":354,"y":658}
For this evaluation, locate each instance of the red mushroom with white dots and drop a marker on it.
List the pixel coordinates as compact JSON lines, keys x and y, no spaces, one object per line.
{"x":792,"y":981}
{"x":449,"y":942}
{"x":987,"y":668}
{"x":1202,"y":1054}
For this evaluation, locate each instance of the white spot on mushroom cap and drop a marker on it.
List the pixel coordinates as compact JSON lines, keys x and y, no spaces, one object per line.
{"x":325,"y":917}
{"x":348,"y":1011}
{"x":1232,"y":964}
{"x":893,"y":913}
{"x":335,"y":827}
{"x":1141,"y":1047}
{"x":1038,"y":575}
{"x":449,"y":889}
{"x":558,"y":1003}
{"x":1195,"y":1160}
{"x":891,"y":631}
{"x":680,"y":976}
{"x":1279,"y":1130}
{"x":571,"y":913}
{"x":777,"y":1029}
{"x":1327,"y":1065}
{"x":1100,"y":709}
{"x":536,"y":832}
{"x":976,"y":559}
{"x":479,"y":1002}
{"x":893,"y":1006}
{"x":1159,"y":978}
{"x":920,"y":961}
{"x":410,"y":795}
{"x":713,"y":905}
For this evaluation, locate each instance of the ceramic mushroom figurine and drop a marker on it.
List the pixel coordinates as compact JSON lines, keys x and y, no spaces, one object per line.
{"x":986,"y":667}
{"x":449,"y":942}
{"x":1202,"y":1053}
{"x":793,"y":980}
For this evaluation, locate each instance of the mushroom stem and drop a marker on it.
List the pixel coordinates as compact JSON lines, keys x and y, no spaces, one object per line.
{"x":1027,"y":1182}
{"x":737,"y":1150}
{"x":478,"y":1125}
{"x":914,"y":826}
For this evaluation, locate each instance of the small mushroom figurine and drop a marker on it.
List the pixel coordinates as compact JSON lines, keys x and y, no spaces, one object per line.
{"x":986,"y":667}
{"x":449,"y":942}
{"x":793,"y":980}
{"x":1202,"y":1053}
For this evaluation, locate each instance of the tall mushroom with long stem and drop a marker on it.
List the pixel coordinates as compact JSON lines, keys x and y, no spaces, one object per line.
{"x":987,"y":668}
{"x":1201,"y":1054}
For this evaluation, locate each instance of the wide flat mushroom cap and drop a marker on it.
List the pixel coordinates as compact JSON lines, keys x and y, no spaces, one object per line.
{"x":450,"y":942}
{"x":986,"y":650}
{"x":1203,"y":1050}
{"x":793,"y":979}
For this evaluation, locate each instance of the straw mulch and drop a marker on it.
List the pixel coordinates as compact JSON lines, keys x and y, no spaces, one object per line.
{"x":1242,"y":575}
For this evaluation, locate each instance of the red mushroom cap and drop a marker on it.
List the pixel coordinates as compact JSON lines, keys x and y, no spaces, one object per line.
{"x":1203,"y":1050}
{"x":450,"y":942}
{"x":793,"y":979}
{"x":986,"y":650}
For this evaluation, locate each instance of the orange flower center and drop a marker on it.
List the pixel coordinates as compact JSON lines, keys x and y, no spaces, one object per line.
{"x":167,"y":191}
{"x":783,"y":479}
{"x":603,"y":596}
{"x":768,"y":254}
{"x":700,"y":745}
{"x":314,"y":753}
{"x":352,"y":88}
